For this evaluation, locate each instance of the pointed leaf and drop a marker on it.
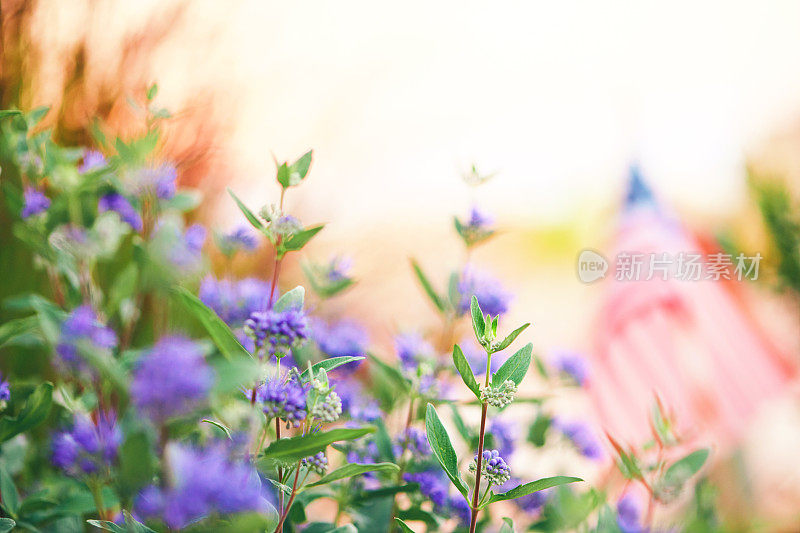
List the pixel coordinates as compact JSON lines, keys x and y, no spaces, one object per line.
{"x":9,"y":492}
{"x":34,"y":412}
{"x":511,"y":337}
{"x":442,"y":448}
{"x":427,"y":286}
{"x":291,"y":300}
{"x":681,"y":470}
{"x":478,"y":322}
{"x":403,"y":526}
{"x":6,"y":525}
{"x":533,"y":486}
{"x":328,"y":365}
{"x":14,"y":328}
{"x":508,"y":525}
{"x":465,"y":371}
{"x":219,"y":425}
{"x":295,"y":448}
{"x":298,"y":240}
{"x":302,"y":164}
{"x":220,"y":333}
{"x":354,"y":469}
{"x":515,"y":367}
{"x":254,"y":221}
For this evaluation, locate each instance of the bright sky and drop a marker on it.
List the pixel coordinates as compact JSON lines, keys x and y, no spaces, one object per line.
{"x":557,"y":96}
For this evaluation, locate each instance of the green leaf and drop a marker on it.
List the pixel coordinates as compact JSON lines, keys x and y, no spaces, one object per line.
{"x":328,"y":364}
{"x":607,"y":521}
{"x":134,"y":526}
{"x":298,"y":240}
{"x":232,"y":374}
{"x":5,"y":113}
{"x":34,"y":412}
{"x":9,"y":492}
{"x":36,"y":115}
{"x":417,"y":514}
{"x":17,"y":327}
{"x":295,"y":448}
{"x":403,"y":526}
{"x":135,"y":462}
{"x":390,"y":371}
{"x":465,"y":371}
{"x":628,"y":464}
{"x":442,"y":448}
{"x":283,"y":175}
{"x":427,"y":286}
{"x":354,"y":469}
{"x":478,"y":323}
{"x":220,"y":333}
{"x":303,"y":163}
{"x":508,"y":340}
{"x":6,"y":524}
{"x":254,"y":221}
{"x":508,"y":525}
{"x":107,"y":526}
{"x":515,"y":367}
{"x":681,"y":470}
{"x":220,"y":426}
{"x":152,"y":91}
{"x":533,"y":486}
{"x":292,"y":299}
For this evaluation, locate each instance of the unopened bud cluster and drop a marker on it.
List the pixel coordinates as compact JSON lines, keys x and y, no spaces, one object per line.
{"x":316,"y":463}
{"x":499,"y":396}
{"x":328,"y":406}
{"x":493,"y":467}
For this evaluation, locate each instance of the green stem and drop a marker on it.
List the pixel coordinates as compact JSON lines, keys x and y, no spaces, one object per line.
{"x":97,"y":493}
{"x":479,"y":462}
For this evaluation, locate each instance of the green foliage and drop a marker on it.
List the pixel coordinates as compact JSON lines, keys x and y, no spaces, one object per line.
{"x":442,"y":448}
{"x":295,"y":448}
{"x":34,"y":412}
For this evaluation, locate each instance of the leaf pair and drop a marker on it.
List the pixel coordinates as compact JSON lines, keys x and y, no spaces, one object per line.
{"x":514,"y":368}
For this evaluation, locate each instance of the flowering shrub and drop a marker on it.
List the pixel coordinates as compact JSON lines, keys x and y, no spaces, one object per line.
{"x":143,"y":393}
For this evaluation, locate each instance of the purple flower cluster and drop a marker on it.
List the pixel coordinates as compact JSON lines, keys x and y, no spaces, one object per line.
{"x":581,"y":436}
{"x":5,"y":390}
{"x":234,"y":301}
{"x":432,"y":484}
{"x":278,"y":331}
{"x":476,"y":228}
{"x":88,"y":447}
{"x":343,"y":338}
{"x":572,"y":365}
{"x":158,"y":180}
{"x":92,"y":160}
{"x":316,"y":463}
{"x":120,"y":205}
{"x":629,"y":514}
{"x":171,"y":380}
{"x":414,"y":440}
{"x":492,"y":297}
{"x":358,"y":405}
{"x":35,"y":202}
{"x":493,"y":467}
{"x":504,"y":434}
{"x":242,"y":238}
{"x":202,"y":482}
{"x":412,"y":349}
{"x":82,"y":328}
{"x":285,"y":400}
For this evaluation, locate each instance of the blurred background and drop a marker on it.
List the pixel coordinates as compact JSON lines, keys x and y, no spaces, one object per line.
{"x":558,"y":100}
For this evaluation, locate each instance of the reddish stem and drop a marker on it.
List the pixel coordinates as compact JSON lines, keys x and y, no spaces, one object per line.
{"x":476,"y":491}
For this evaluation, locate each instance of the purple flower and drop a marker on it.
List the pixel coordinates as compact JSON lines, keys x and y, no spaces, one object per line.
{"x":82,"y":325}
{"x":504,"y":434}
{"x":343,"y":338}
{"x":92,"y":160}
{"x":154,"y":180}
{"x":120,"y":205}
{"x":493,"y":467}
{"x":629,"y":514}
{"x":186,"y":252}
{"x":572,"y":365}
{"x":358,"y":405}
{"x":432,"y":484}
{"x":5,"y":389}
{"x":234,"y":301}
{"x":171,"y":380}
{"x":202,"y":482}
{"x":339,"y":268}
{"x":278,"y":331}
{"x":414,"y":440}
{"x":459,"y":508}
{"x":35,"y":202}
{"x":87,"y":447}
{"x":316,"y":463}
{"x":242,"y":238}
{"x":581,"y":436}
{"x":285,"y":400}
{"x":492,"y":297}
{"x":412,"y":349}
{"x":477,"y":228}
